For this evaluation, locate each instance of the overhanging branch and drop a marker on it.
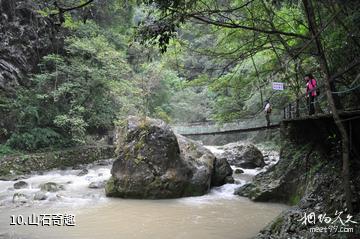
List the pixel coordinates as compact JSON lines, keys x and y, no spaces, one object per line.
{"x":64,"y":9}
{"x":233,"y":25}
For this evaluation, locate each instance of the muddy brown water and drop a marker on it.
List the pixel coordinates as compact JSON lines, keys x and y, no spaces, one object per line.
{"x":217,"y":215}
{"x":204,"y":217}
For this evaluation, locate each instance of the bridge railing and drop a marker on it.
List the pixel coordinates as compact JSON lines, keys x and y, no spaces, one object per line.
{"x":346,"y":97}
{"x":213,"y":127}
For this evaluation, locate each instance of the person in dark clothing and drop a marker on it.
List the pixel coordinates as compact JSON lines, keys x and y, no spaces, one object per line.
{"x":311,"y":94}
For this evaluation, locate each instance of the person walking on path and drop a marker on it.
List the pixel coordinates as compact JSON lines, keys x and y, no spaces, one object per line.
{"x":267,"y":110}
{"x":311,"y":93}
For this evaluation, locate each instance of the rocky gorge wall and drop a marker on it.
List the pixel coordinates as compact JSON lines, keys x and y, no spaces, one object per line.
{"x":25,"y":37}
{"x":308,"y":176}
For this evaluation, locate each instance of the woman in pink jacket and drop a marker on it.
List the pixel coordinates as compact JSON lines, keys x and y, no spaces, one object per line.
{"x":311,"y":85}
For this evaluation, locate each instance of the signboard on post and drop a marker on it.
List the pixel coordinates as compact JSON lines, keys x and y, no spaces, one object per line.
{"x":278,"y":86}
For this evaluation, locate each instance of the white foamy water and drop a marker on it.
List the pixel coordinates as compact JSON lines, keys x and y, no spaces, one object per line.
{"x":76,"y":190}
{"x":272,"y":157}
{"x":216,"y":150}
{"x":218,"y":214}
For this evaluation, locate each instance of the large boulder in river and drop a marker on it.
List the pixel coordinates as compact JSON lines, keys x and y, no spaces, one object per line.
{"x":243,"y":155}
{"x":153,"y":162}
{"x":149,"y":163}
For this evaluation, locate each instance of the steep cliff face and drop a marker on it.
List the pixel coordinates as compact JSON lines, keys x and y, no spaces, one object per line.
{"x":25,"y":36}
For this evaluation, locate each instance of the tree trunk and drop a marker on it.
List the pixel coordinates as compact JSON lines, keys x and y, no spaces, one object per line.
{"x":342,"y":129}
{"x":259,"y":86}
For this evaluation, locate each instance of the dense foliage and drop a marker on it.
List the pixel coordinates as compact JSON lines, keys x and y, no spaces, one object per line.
{"x":94,"y":81}
{"x":219,"y":60}
{"x":237,"y":48}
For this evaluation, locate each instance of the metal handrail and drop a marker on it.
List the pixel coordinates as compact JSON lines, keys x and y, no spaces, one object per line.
{"x":292,"y":110}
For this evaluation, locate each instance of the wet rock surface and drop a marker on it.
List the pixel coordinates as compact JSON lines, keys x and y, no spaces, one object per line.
{"x":243,"y":155}
{"x":83,"y":172}
{"x":96,"y":185}
{"x":21,"y":184}
{"x":200,"y":161}
{"x":238,"y":171}
{"x":40,"y":196}
{"x":20,"y":198}
{"x":222,"y":172}
{"x":51,"y":187}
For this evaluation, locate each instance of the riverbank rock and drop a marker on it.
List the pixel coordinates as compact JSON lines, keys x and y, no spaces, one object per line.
{"x":40,"y":196}
{"x":279,"y":182}
{"x":19,"y":198}
{"x":310,"y":182}
{"x":51,"y":187}
{"x":308,"y":177}
{"x":153,"y":162}
{"x":243,"y":155}
{"x":98,"y":184}
{"x":21,"y":184}
{"x":83,"y":172}
{"x":238,"y":171}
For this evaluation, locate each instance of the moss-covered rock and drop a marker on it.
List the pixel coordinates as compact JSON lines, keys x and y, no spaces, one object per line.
{"x":149,"y":163}
{"x":153,"y":162}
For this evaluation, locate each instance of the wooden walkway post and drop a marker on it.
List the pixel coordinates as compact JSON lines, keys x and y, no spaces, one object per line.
{"x":297,"y":109}
{"x":290,"y":116}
